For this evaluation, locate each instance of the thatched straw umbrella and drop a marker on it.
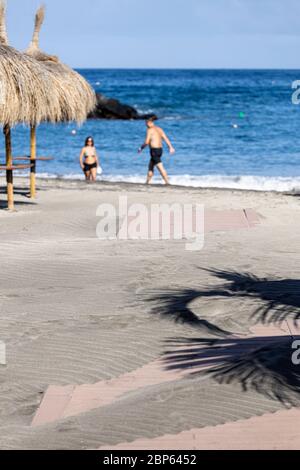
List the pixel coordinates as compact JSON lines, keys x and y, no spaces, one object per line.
{"x":26,"y":96}
{"x":77,"y":98}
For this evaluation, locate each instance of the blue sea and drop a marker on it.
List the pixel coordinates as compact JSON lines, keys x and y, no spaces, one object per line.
{"x":230,"y":128}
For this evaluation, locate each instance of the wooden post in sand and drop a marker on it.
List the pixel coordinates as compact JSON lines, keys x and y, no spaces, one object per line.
{"x":32,"y":160}
{"x":9,"y":173}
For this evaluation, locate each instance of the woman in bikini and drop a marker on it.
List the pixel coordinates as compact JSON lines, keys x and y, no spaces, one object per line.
{"x":89,"y":160}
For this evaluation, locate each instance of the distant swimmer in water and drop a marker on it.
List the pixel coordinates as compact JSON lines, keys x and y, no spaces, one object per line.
{"x":154,"y":138}
{"x":89,"y":160}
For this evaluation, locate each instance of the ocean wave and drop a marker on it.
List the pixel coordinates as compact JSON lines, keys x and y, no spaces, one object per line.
{"x":243,"y":182}
{"x":172,"y":118}
{"x":143,"y":111}
{"x":246,"y":182}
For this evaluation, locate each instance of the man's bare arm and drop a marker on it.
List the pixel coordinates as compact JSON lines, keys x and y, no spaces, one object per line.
{"x":146,"y":143}
{"x":166,"y":139}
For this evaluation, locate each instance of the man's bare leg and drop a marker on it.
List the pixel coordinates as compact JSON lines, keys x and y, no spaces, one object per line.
{"x":150,"y":172}
{"x":163,"y":173}
{"x":149,"y":177}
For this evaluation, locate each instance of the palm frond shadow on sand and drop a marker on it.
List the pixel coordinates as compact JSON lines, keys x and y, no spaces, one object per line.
{"x":175,"y":305}
{"x":260,"y":363}
{"x":277,"y":300}
{"x":263,"y":364}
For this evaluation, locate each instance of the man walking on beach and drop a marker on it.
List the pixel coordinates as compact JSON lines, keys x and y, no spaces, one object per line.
{"x":154,"y":138}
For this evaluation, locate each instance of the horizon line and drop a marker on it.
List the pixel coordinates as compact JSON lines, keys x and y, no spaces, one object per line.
{"x":188,"y":68}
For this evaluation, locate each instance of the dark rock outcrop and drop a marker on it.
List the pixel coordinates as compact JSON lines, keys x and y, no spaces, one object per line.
{"x":109,"y":108}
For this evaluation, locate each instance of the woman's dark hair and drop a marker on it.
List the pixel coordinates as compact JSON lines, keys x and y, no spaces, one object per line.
{"x":87,"y":141}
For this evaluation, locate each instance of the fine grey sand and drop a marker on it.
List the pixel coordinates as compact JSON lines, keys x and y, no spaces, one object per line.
{"x":76,"y":309}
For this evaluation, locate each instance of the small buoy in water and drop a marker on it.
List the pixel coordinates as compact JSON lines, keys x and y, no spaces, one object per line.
{"x":235,"y":126}
{"x":98,"y":83}
{"x":73,"y":132}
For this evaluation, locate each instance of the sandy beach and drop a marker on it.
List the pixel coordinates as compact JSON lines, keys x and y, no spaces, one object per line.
{"x":94,"y":317}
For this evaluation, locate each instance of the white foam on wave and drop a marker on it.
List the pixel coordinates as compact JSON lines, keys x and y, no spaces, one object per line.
{"x":246,"y":182}
{"x":243,"y":182}
{"x":143,"y":111}
{"x":172,"y":118}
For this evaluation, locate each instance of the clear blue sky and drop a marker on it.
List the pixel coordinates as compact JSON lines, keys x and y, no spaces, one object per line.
{"x":164,"y":33}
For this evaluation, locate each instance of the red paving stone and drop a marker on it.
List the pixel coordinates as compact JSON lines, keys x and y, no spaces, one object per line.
{"x":280,"y":430}
{"x":214,"y":221}
{"x":61,"y":402}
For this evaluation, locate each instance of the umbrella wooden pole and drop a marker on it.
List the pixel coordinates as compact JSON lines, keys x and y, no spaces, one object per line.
{"x":9,"y":173}
{"x":32,"y":160}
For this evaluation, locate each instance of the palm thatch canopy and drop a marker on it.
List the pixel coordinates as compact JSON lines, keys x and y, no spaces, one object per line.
{"x":77,"y":98}
{"x":26,"y":88}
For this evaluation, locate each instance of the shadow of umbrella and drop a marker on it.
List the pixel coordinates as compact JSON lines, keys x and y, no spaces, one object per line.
{"x":3,"y":204}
